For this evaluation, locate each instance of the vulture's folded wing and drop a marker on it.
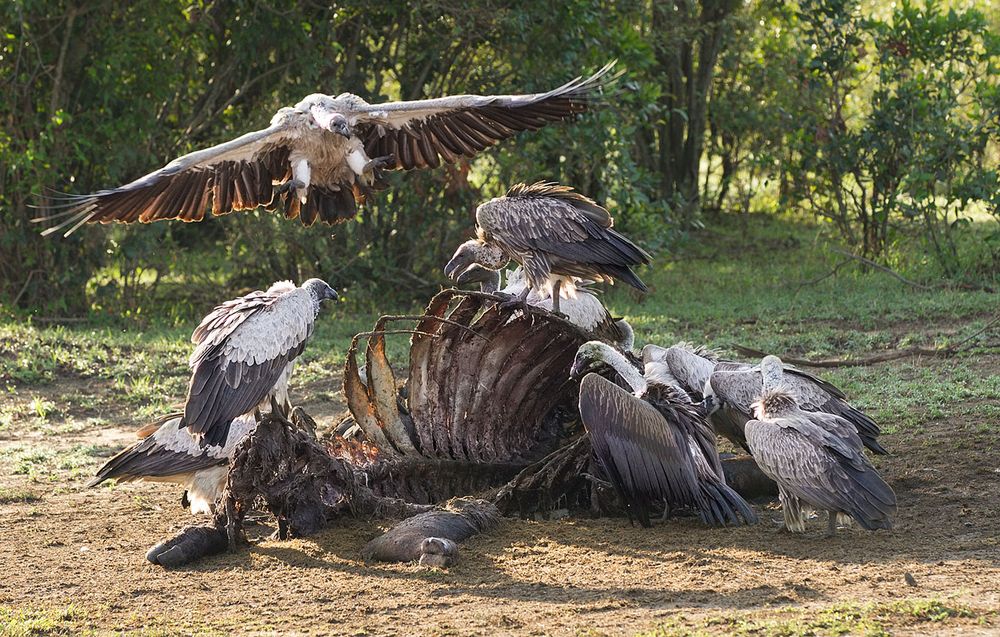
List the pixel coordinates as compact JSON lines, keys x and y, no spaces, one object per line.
{"x":644,"y":456}
{"x":231,"y":176}
{"x":817,"y":466}
{"x":690,"y":368}
{"x":235,"y":372}
{"x":738,"y":388}
{"x":422,"y":133}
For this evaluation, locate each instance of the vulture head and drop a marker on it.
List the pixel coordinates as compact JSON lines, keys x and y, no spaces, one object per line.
{"x":320,"y":291}
{"x":773,"y":403}
{"x":772,"y":371}
{"x":325,"y":113}
{"x":593,"y":356}
{"x":475,"y":251}
{"x":489,"y":280}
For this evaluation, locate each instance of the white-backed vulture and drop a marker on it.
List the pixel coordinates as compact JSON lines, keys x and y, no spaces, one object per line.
{"x":325,"y":155}
{"x":556,"y":234}
{"x":245,"y":352}
{"x":653,"y":443}
{"x":732,"y":387}
{"x":172,"y":454}
{"x":817,"y":461}
{"x":584,"y":309}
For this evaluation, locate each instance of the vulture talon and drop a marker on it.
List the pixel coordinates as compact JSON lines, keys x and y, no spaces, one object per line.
{"x":378,"y":163}
{"x":289,"y":186}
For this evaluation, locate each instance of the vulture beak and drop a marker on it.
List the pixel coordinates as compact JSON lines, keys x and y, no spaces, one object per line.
{"x":709,"y":406}
{"x":457,"y":266}
{"x":477,"y":274}
{"x":331,"y":121}
{"x":330,"y":295}
{"x":580,"y":367}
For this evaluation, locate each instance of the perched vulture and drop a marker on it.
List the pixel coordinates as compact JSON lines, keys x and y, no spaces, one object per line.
{"x":817,"y":461}
{"x":584,"y":310}
{"x":325,"y":155}
{"x":172,"y":454}
{"x":557,"y":235}
{"x":653,"y":443}
{"x":732,"y":387}
{"x":245,"y":352}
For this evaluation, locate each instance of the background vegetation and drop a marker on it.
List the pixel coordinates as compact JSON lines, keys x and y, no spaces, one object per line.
{"x":879,"y":123}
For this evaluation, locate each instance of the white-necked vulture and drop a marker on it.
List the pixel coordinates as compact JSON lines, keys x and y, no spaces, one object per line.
{"x":556,"y":234}
{"x":584,"y":309}
{"x":817,"y":461}
{"x":325,"y":155}
{"x":172,"y":454}
{"x":732,"y":388}
{"x":737,"y":386}
{"x":653,"y":443}
{"x":245,"y":352}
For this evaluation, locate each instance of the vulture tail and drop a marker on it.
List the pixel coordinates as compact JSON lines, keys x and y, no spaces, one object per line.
{"x":723,"y":506}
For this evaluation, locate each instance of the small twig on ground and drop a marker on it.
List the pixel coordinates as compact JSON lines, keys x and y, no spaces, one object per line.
{"x":883,"y":268}
{"x":829,"y":274}
{"x":882,"y":357}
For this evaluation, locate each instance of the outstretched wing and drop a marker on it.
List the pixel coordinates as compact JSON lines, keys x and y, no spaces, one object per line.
{"x":423,"y":133}
{"x":238,"y":362}
{"x":171,"y":451}
{"x":549,"y":228}
{"x":646,"y":458}
{"x":235,"y":175}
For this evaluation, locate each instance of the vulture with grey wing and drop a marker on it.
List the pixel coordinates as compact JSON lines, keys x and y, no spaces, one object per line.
{"x":557,"y":235}
{"x":172,"y":454}
{"x":317,"y":160}
{"x":584,"y":310}
{"x":730,"y":388}
{"x":817,"y":461}
{"x":653,"y":443}
{"x":245,"y":353}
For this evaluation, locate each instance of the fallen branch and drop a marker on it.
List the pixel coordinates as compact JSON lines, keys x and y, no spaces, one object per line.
{"x":948,"y":285}
{"x":879,"y":266}
{"x":883,"y":357}
{"x":829,"y":274}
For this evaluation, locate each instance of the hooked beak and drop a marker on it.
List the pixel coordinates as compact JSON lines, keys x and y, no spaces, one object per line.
{"x":457,"y":265}
{"x":333,"y":122}
{"x":477,"y":274}
{"x":330,"y":295}
{"x":579,"y":368}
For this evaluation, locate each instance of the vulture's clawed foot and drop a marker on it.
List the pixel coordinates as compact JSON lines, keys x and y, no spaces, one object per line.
{"x":559,"y":314}
{"x":380,"y":163}
{"x":192,"y":543}
{"x":289,"y":186}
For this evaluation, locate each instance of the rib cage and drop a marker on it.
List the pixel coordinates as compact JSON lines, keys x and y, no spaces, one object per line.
{"x":482,"y":382}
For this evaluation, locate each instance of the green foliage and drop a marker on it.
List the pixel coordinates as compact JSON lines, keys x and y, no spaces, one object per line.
{"x":896,"y":126}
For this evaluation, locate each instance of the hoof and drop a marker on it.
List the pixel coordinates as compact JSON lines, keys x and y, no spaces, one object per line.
{"x":192,"y":543}
{"x":438,"y":552}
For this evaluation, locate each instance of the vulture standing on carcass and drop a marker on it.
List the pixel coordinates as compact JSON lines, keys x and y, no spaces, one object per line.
{"x":653,"y":444}
{"x":584,"y":310}
{"x":246,"y":348}
{"x":557,"y":235}
{"x":172,"y":454}
{"x":730,"y":388}
{"x":818,"y":461}
{"x":325,"y":155}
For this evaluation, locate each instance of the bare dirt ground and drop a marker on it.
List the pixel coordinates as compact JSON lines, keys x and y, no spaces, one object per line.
{"x":73,"y":562}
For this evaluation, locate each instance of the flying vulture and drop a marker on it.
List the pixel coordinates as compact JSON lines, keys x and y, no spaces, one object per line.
{"x":732,"y":387}
{"x":172,"y":454}
{"x":245,"y":352}
{"x":818,"y":462}
{"x":320,"y":158}
{"x":557,"y":235}
{"x":584,"y":310}
{"x":653,"y":443}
